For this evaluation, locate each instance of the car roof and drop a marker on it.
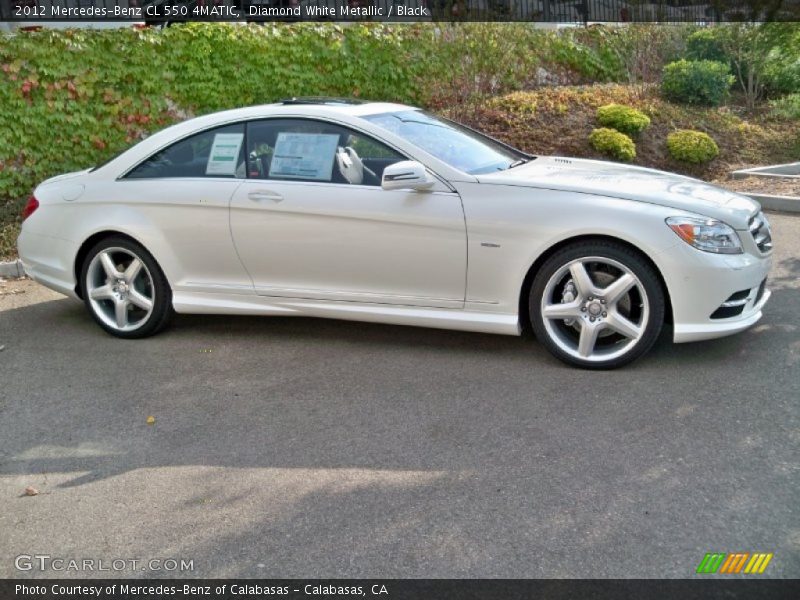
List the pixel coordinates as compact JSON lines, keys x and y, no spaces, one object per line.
{"x":351,"y":106}
{"x":312,"y":107}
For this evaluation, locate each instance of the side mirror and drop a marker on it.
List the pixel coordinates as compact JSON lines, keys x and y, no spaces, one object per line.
{"x":405,"y":175}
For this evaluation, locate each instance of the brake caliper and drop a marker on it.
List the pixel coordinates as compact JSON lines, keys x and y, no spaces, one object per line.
{"x":568,"y":295}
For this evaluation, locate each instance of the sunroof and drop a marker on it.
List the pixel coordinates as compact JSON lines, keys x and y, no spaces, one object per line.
{"x":321,"y":100}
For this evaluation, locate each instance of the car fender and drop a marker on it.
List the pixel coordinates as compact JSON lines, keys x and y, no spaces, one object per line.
{"x":510,"y":228}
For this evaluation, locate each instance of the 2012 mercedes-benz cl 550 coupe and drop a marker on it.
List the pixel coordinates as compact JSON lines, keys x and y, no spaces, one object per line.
{"x":383,"y":212}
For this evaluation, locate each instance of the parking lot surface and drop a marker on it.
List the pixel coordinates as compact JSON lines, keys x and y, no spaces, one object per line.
{"x":288,"y":447}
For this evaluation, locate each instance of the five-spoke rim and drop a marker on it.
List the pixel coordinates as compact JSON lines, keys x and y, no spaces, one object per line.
{"x":595,"y":308}
{"x":120,"y":289}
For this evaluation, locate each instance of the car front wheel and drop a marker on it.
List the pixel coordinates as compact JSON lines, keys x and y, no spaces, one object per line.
{"x":597,"y":305}
{"x":124,"y":289}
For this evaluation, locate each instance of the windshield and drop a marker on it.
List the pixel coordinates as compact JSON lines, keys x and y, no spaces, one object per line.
{"x":458,"y":146}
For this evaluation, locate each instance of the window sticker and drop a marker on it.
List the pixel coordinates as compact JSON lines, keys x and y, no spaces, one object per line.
{"x":304,"y":156}
{"x":224,"y":152}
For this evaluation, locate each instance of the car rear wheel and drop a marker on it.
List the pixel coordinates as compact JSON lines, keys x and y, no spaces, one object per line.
{"x":124,"y":289}
{"x":597,"y":305}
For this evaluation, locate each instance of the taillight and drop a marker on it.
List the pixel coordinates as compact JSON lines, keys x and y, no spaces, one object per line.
{"x":30,"y":207}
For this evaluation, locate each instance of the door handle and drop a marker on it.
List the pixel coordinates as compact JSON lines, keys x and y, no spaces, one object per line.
{"x":258,"y":195}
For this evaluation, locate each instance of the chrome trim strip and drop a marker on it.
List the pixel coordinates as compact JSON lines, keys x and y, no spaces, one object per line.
{"x":732,"y":303}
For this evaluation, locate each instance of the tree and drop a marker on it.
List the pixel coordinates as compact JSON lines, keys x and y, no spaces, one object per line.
{"x":749,"y":47}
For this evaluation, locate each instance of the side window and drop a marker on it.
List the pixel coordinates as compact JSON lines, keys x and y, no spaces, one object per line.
{"x":214,"y":153}
{"x":308,"y":150}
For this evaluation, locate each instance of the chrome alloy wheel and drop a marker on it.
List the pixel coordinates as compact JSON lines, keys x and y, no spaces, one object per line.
{"x":595,"y":308}
{"x":120,"y":289}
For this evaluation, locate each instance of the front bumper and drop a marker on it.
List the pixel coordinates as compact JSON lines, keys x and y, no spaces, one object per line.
{"x":696,"y":332}
{"x":700,"y":283}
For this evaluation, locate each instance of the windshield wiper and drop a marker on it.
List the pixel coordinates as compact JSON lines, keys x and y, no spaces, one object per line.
{"x":519,"y":162}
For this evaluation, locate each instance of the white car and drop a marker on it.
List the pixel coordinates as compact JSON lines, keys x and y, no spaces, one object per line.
{"x":382,"y":212}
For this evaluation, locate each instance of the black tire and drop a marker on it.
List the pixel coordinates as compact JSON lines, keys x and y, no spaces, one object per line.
{"x":556,"y":336}
{"x":161,"y":313}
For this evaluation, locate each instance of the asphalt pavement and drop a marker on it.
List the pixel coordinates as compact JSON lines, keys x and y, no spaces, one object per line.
{"x":287,"y":447}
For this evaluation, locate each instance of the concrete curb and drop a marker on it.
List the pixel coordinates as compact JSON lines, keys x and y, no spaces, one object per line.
{"x":790,"y":170}
{"x":12,"y":269}
{"x":770,"y":202}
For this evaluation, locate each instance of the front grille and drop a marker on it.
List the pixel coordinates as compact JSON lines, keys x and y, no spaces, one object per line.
{"x":762,"y":235}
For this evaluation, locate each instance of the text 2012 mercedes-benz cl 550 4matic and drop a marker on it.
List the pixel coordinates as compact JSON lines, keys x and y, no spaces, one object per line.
{"x":383,"y":212}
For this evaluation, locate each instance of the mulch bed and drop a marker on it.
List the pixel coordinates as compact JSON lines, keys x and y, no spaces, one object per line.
{"x":775,"y":186}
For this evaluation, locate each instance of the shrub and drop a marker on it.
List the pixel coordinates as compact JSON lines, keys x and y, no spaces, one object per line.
{"x":697,"y":82}
{"x":783,"y":76}
{"x":517,"y":103}
{"x":583,"y":54}
{"x":692,"y":146}
{"x":613,"y":143}
{"x":466,"y":60}
{"x":787,"y":107}
{"x":782,"y":68}
{"x":644,"y":50}
{"x":623,"y":118}
{"x":706,"y":44}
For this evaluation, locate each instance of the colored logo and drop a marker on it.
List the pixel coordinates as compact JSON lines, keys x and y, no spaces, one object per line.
{"x":736,"y":562}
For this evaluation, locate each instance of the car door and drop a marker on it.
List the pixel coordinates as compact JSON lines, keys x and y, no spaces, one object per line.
{"x":181,"y":196}
{"x":311,"y":221}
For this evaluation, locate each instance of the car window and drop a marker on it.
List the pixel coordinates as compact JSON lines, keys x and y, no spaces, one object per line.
{"x":309,"y":150}
{"x":216,"y":152}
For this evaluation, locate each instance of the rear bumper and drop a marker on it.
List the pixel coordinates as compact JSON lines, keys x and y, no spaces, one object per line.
{"x":48,"y":260}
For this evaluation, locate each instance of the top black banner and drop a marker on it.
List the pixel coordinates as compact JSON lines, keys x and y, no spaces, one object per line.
{"x":31,"y":13}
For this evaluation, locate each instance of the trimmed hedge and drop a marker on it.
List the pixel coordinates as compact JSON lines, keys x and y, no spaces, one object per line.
{"x":692,"y":146}
{"x":697,"y":82}
{"x":613,"y":143}
{"x":623,"y":118}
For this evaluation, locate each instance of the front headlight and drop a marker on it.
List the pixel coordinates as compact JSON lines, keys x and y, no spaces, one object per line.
{"x":708,"y":235}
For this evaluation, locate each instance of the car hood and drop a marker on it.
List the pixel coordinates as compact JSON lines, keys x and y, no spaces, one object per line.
{"x":629,"y":183}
